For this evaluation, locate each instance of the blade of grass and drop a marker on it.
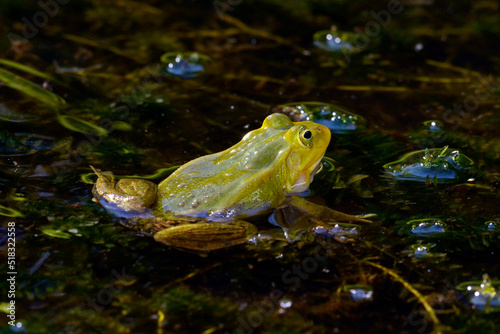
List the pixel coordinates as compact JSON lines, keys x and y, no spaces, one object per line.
{"x":28,"y":69}
{"x":29,"y":88}
{"x":79,"y":125}
{"x":415,"y":292}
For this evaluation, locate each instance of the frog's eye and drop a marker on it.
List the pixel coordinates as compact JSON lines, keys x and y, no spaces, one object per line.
{"x":305,"y":137}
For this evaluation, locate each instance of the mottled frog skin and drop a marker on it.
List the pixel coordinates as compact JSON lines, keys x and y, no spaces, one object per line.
{"x":201,"y":206}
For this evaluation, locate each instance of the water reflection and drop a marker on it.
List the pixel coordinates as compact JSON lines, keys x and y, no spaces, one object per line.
{"x":438,"y":164}
{"x":482,"y":295}
{"x":184,"y":65}
{"x":359,"y":292}
{"x":337,"y":119}
{"x":335,"y":41}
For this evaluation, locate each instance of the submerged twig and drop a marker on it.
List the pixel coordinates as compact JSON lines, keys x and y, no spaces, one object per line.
{"x":452,"y":67}
{"x":373,"y":88}
{"x":115,"y":50}
{"x":264,"y":34}
{"x":191,"y":275}
{"x":410,"y":288}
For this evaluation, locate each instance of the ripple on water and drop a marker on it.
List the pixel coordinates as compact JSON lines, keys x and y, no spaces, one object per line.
{"x":424,"y":227}
{"x":492,"y":225}
{"x":424,"y":251}
{"x":482,"y":295}
{"x":184,"y":65}
{"x":440,"y":164}
{"x":337,"y":232}
{"x":336,"y":41}
{"x":359,"y":292}
{"x":337,"y":119}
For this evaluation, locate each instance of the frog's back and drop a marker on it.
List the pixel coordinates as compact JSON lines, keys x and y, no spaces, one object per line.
{"x":243,"y":180}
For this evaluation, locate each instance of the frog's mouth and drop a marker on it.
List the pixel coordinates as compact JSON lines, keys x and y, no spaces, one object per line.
{"x":304,"y":179}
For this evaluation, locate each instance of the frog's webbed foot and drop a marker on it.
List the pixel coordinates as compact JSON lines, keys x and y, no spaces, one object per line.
{"x":126,"y":198}
{"x":202,"y":236}
{"x":321,"y":212}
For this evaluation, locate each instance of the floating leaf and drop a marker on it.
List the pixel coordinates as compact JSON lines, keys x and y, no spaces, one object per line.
{"x":79,"y":125}
{"x":5,"y":211}
{"x":29,"y":88}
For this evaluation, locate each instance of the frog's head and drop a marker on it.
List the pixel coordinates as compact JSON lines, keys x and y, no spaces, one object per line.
{"x":308,"y":142}
{"x":294,"y":149}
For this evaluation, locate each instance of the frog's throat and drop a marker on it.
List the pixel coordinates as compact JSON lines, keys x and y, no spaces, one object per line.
{"x":307,"y":176}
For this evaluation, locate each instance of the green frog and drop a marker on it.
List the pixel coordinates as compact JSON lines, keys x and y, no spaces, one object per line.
{"x":206,"y":203}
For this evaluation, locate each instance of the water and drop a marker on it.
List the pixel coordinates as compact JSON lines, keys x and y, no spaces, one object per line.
{"x":91,"y":89}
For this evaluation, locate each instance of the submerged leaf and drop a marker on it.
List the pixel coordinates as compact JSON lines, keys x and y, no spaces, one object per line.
{"x":56,"y":233}
{"x":9,"y":115}
{"x":5,"y":211}
{"x":26,"y":69}
{"x":79,"y":125}
{"x":122,"y":126}
{"x":29,"y":88}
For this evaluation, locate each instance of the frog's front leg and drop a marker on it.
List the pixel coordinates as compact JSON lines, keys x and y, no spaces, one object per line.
{"x":321,"y":212}
{"x":126,"y":198}
{"x":205,"y":236}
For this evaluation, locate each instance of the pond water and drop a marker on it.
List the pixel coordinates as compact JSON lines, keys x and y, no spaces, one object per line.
{"x":138,"y":88}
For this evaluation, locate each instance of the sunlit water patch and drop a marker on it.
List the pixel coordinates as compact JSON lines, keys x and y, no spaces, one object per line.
{"x":492,"y":225}
{"x":184,"y":65}
{"x":423,"y":227}
{"x":424,"y":251}
{"x":335,"y":41}
{"x":337,"y":232}
{"x":359,"y":292}
{"x":337,"y":119}
{"x":432,"y":125}
{"x":437,"y":164}
{"x":482,"y":295}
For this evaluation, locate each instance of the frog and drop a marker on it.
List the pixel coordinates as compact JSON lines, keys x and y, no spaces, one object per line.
{"x":207,"y":204}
